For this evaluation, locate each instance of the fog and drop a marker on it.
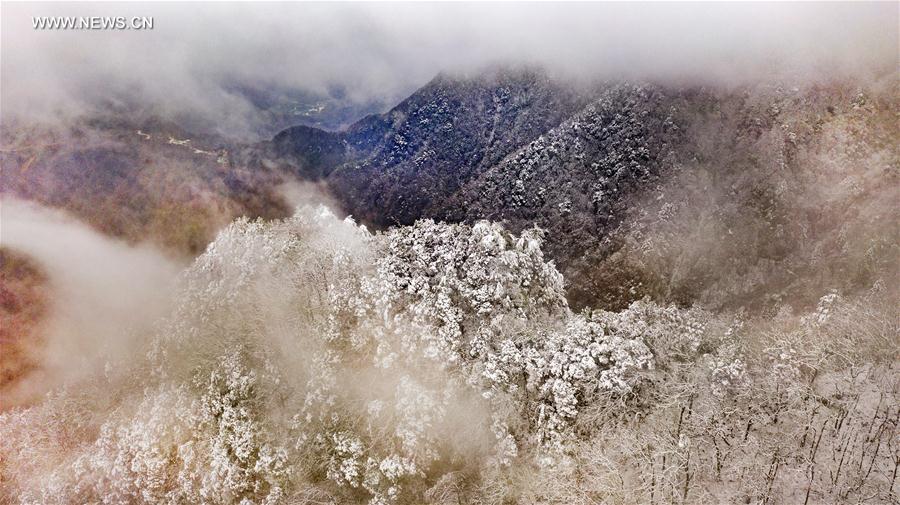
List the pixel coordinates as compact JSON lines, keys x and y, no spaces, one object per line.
{"x":196,"y":54}
{"x":299,"y":193}
{"x":105,"y":295}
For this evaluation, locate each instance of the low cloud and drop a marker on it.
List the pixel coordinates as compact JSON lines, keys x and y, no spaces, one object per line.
{"x":105,"y":295}
{"x":196,"y":55}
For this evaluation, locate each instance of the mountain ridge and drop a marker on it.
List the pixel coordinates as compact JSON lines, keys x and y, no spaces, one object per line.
{"x":586,"y":170}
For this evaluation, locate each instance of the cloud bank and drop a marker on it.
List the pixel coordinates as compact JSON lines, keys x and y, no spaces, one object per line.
{"x":197,"y":52}
{"x":105,"y":294}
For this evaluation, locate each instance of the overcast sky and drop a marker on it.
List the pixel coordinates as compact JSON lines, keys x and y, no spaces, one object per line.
{"x":387,"y":50}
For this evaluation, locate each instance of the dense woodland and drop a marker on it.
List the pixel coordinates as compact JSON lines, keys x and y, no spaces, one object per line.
{"x":526,"y":292}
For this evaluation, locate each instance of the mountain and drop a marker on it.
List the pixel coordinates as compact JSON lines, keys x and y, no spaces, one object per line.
{"x":589,"y":164}
{"x":275,"y":108}
{"x":711,"y":294}
{"x":137,"y":179}
{"x":684,"y":194}
{"x":398,"y":166}
{"x":575,"y":179}
{"x":511,"y":145}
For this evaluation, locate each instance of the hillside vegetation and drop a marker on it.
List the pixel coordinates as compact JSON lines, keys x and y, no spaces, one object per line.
{"x":544,"y":294}
{"x":646,"y":189}
{"x":310,"y":361}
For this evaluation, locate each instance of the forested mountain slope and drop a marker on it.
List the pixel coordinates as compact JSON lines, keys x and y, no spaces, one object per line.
{"x":590,"y":166}
{"x":706,"y":314}
{"x":136,"y":178}
{"x":395,"y":167}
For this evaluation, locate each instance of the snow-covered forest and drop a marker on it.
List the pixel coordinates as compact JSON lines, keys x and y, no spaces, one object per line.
{"x":311,"y":361}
